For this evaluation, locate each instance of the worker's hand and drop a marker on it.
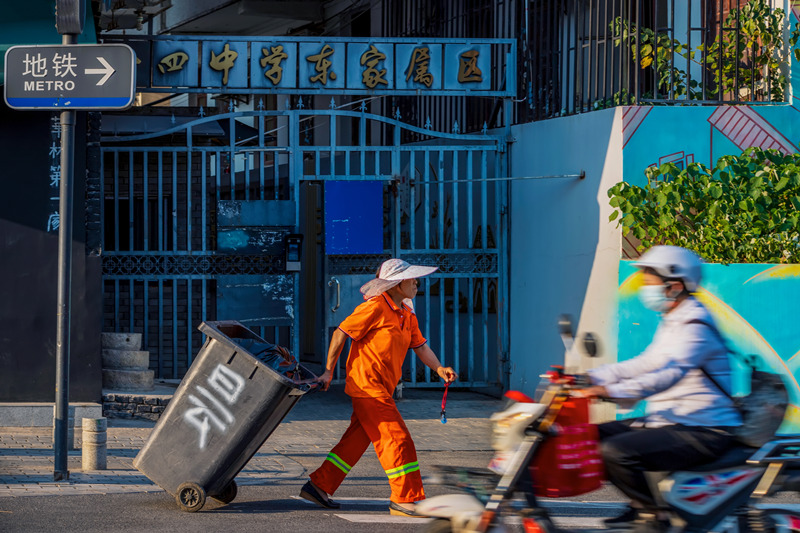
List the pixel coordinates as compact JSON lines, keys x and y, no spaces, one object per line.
{"x":325,"y":379}
{"x":447,"y":374}
{"x":595,"y":391}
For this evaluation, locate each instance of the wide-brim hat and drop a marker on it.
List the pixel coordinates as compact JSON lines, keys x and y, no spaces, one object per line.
{"x":391,"y":273}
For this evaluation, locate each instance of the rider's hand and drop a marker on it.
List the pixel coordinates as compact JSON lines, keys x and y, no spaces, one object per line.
{"x":581,"y":381}
{"x":595,"y":391}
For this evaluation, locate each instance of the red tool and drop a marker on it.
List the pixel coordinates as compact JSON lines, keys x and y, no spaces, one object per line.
{"x":444,"y":402}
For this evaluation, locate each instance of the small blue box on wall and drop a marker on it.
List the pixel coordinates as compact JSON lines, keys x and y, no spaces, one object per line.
{"x":353,"y":217}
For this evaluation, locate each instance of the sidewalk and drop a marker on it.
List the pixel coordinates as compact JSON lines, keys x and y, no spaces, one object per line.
{"x":312,"y":427}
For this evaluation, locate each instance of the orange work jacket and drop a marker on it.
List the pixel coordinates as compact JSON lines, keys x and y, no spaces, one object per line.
{"x":381,"y":335}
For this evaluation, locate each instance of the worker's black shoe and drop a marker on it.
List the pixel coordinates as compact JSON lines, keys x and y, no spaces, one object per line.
{"x":310,"y":493}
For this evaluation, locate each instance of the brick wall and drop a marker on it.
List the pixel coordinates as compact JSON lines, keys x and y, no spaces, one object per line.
{"x":134,"y":406}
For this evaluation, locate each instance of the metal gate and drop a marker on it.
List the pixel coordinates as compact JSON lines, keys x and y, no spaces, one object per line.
{"x":196,"y":230}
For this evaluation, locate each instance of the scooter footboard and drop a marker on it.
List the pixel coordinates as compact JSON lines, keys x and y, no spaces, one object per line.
{"x":702,"y":499}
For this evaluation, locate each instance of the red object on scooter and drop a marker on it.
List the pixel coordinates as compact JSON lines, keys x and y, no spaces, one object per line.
{"x":569,"y":463}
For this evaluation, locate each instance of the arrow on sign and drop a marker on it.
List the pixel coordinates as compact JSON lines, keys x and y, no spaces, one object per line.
{"x":107,"y":69}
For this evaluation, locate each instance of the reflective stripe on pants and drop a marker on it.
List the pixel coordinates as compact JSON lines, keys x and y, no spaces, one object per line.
{"x":378,"y":421}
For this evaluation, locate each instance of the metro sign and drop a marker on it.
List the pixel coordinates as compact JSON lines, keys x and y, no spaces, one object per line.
{"x":82,"y":76}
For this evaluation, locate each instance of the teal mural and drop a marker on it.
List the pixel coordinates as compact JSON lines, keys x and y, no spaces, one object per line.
{"x":755,"y":306}
{"x":655,"y":135}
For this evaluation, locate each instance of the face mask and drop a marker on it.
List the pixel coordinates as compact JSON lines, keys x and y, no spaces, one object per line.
{"x":654,"y":297}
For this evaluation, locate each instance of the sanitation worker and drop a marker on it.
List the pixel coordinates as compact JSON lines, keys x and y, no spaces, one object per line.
{"x":381,"y":330}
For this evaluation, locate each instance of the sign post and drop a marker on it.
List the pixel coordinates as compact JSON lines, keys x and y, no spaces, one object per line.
{"x":64,"y":304}
{"x":67,"y":77}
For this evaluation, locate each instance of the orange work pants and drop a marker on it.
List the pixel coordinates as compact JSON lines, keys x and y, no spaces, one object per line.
{"x":378,"y":421}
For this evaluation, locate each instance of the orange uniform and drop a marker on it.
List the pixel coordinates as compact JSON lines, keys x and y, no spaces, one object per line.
{"x":381,"y":334}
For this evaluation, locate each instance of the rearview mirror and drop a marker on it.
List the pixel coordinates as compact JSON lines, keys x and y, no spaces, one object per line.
{"x":590,"y":345}
{"x":565,"y":325}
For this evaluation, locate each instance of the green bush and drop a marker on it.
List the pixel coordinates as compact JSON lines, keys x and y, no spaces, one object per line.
{"x":744,"y":210}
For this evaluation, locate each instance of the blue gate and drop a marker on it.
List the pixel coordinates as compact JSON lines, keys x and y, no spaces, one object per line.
{"x":195,"y":229}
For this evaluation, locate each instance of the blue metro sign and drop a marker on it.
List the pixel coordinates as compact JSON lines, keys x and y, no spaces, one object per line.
{"x":83,"y":76}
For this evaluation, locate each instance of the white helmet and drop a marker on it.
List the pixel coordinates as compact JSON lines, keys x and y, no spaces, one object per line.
{"x":673,"y":262}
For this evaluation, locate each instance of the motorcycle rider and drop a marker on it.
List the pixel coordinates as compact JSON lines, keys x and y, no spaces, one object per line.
{"x":687,"y":420}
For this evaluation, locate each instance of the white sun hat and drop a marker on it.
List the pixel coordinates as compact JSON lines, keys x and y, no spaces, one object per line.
{"x":391,"y":273}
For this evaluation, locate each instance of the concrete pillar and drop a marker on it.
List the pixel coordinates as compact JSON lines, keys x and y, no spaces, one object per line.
{"x":93,"y":456}
{"x":125,"y":365}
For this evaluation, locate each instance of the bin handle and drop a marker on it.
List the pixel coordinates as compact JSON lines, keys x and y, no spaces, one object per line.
{"x":338,"y":293}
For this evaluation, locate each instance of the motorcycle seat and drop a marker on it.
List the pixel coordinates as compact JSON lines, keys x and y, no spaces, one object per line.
{"x":738,"y":455}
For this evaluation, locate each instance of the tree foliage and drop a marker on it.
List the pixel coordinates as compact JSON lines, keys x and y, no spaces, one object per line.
{"x":744,"y":210}
{"x":745,"y":62}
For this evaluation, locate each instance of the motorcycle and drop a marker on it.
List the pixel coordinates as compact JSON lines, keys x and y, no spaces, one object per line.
{"x":725,"y":495}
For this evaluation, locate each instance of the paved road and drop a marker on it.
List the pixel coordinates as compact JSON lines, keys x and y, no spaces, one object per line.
{"x":122,"y":499}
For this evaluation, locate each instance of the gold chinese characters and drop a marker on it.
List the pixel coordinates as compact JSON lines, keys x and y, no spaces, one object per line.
{"x":273,"y":59}
{"x":418,"y":66}
{"x":173,"y":62}
{"x":223,"y":62}
{"x":468,"y":70}
{"x":372,"y":76}
{"x":322,"y":64}
{"x":361,"y":65}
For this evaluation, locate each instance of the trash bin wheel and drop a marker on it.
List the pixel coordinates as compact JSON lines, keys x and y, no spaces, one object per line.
{"x":190,"y":497}
{"x":228,"y":494}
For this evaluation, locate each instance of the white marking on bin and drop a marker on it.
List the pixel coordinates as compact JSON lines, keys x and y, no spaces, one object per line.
{"x":227,"y":384}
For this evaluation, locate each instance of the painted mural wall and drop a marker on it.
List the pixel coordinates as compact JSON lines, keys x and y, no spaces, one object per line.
{"x":755,"y":307}
{"x":683,"y":135}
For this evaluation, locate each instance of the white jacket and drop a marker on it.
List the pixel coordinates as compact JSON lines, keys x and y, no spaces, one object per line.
{"x":668,"y":372}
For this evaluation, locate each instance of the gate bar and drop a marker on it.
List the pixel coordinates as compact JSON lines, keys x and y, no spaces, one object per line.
{"x":581,"y":176}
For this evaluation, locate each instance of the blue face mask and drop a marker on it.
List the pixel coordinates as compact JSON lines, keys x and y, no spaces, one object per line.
{"x":654,"y":297}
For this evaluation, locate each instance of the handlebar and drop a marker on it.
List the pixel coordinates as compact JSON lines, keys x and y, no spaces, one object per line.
{"x":557,"y":375}
{"x":575,"y":385}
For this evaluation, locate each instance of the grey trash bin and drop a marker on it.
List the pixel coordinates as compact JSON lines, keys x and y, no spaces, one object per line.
{"x":234,"y":395}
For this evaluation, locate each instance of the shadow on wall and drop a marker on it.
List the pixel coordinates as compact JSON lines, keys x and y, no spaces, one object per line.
{"x":30,"y":162}
{"x":555,"y":233}
{"x":754,"y":306}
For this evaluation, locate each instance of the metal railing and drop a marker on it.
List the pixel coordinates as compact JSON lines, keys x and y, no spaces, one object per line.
{"x":583,"y":55}
{"x":464,"y":19}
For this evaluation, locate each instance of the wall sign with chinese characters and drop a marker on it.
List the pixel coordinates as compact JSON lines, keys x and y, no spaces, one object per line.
{"x":314,"y":65}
